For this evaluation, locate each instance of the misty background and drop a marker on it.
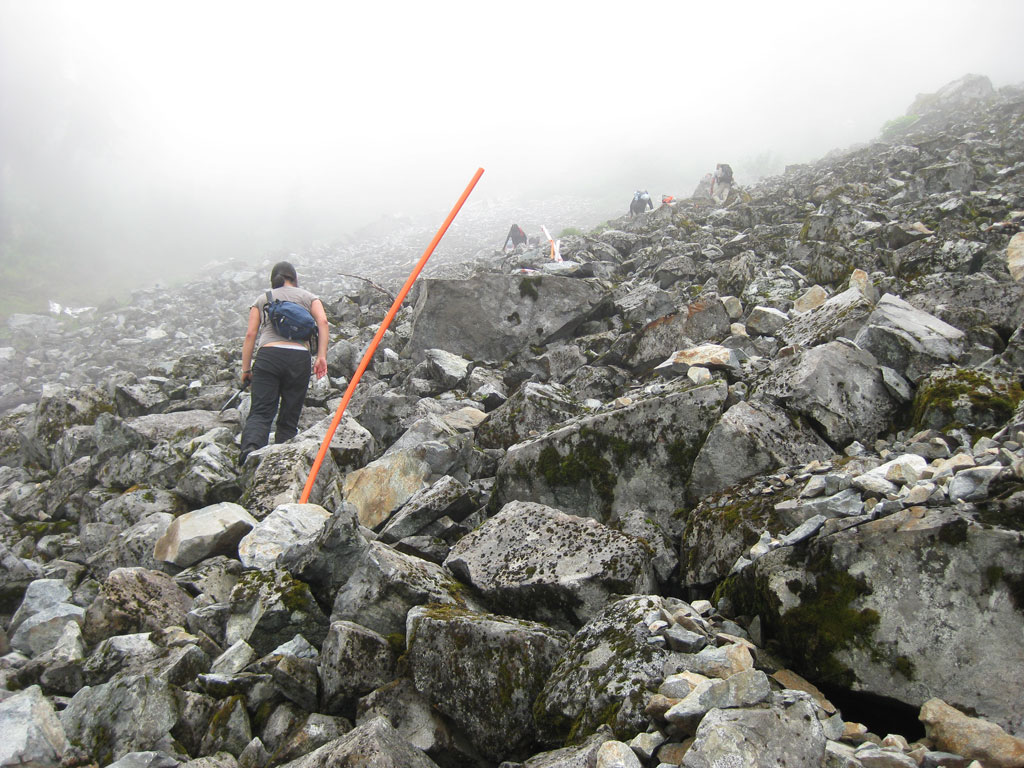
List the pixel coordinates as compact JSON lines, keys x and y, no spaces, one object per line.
{"x":140,"y":141}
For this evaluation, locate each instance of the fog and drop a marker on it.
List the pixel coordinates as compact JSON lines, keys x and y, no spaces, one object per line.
{"x":142,"y":139}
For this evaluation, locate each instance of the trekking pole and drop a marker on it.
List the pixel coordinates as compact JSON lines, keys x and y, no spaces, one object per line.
{"x":365,"y":362}
{"x":234,"y":397}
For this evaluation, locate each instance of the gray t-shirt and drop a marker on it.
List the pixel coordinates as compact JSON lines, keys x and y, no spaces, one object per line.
{"x":285,"y":293}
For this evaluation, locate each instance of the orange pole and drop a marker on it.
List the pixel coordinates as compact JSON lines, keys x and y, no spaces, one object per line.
{"x":365,"y":362}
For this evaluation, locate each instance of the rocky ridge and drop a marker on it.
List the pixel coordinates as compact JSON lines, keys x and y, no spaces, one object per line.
{"x":669,"y":501}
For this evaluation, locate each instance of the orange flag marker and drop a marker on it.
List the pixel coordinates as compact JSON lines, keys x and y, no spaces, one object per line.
{"x":365,"y":362}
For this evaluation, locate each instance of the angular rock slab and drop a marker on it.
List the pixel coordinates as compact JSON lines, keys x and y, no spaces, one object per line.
{"x":290,"y":525}
{"x":484,"y":672}
{"x":206,"y":532}
{"x":759,"y":738}
{"x":374,"y":743}
{"x":387,"y":583}
{"x":639,"y":455}
{"x":135,"y":600}
{"x":32,"y":733}
{"x":493,"y":316}
{"x":869,"y":605}
{"x":539,"y":563}
{"x":838,"y":386}
{"x":383,"y":486}
{"x":128,"y":714}
{"x":908,"y":340}
{"x":750,"y":439}
{"x":601,"y":676}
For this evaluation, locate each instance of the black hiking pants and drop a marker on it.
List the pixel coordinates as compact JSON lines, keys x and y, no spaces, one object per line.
{"x":280,"y":378}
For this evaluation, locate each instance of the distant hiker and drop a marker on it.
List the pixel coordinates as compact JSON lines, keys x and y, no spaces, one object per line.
{"x":668,"y":199}
{"x":721,"y":184}
{"x":516,"y":235}
{"x":640,"y":203}
{"x":279,"y":374}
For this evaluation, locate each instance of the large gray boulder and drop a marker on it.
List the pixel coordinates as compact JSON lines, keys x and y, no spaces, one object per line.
{"x":33,"y":736}
{"x":539,"y":563}
{"x":206,"y":532}
{"x":637,"y":455}
{"x":290,"y":525}
{"x":280,"y":475}
{"x":782,"y":734}
{"x":374,"y":743}
{"x":484,"y":672}
{"x":862,"y":608}
{"x":387,"y":583}
{"x":128,"y":714}
{"x":490,"y":317}
{"x":908,"y":340}
{"x":601,"y":677}
{"x":838,"y":387}
{"x":752,"y":438}
{"x":532,"y":409}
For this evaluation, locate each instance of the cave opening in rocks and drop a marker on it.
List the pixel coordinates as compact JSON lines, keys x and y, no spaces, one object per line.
{"x":880,"y":714}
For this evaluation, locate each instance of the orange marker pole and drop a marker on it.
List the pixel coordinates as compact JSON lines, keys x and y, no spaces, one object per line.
{"x":365,"y":362}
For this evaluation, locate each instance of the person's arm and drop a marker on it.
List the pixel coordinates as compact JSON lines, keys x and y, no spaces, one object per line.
{"x":249,"y":344}
{"x":320,"y":366}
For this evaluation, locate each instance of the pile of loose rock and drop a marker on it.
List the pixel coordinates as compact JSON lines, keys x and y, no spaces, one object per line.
{"x":658,"y":504}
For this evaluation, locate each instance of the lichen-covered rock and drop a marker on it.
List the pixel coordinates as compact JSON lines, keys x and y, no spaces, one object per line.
{"x":482,"y":671}
{"x":269,"y":607}
{"x":57,"y":410}
{"x":532,"y":409}
{"x":759,"y":738}
{"x":135,"y":600}
{"x":132,"y":547}
{"x":841,"y":315}
{"x":374,"y":743}
{"x":974,"y":399}
{"x":128,"y":714}
{"x":539,"y":563}
{"x":387,"y":583}
{"x":866,"y":606}
{"x":601,"y":677}
{"x":638,"y":455}
{"x":354,"y":661}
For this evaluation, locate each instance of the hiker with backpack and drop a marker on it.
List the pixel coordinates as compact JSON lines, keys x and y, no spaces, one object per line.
{"x":640,"y":203}
{"x":721,"y":184}
{"x":285,"y":324}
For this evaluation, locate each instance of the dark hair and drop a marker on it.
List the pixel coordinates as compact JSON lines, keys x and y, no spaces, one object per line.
{"x":282,"y":271}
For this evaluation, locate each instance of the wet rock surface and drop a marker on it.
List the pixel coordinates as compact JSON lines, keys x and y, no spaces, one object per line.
{"x":734,"y":484}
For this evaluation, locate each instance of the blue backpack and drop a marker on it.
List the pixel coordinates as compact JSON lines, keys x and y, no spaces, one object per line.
{"x":290,"y":320}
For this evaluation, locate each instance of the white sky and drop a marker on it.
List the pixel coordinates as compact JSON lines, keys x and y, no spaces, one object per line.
{"x":248,"y":107}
